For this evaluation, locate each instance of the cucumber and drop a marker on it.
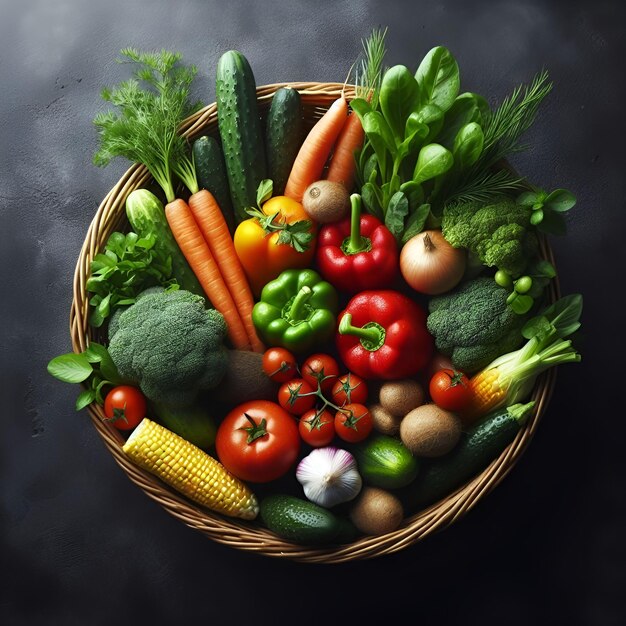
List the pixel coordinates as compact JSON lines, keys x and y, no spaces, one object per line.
{"x":240,"y":130}
{"x":283,"y":135}
{"x":192,"y":423}
{"x":301,"y":521}
{"x":211,"y":172}
{"x":146,"y":215}
{"x":478,"y":447}
{"x":385,"y":462}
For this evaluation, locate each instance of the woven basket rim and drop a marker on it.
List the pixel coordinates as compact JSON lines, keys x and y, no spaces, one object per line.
{"x":250,"y":536}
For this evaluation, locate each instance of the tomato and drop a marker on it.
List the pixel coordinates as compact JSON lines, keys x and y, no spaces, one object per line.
{"x":279,"y":365}
{"x":292,"y":396}
{"x":450,"y":390}
{"x":317,"y":428}
{"x":322,"y":369}
{"x":349,"y":388}
{"x":258,"y":441}
{"x":353,"y":423}
{"x":125,"y":407}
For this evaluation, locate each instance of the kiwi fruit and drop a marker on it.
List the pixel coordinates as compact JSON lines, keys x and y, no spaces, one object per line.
{"x":376,"y":511}
{"x":326,"y":201}
{"x":384,"y":422}
{"x":401,"y":396}
{"x":430,"y":431}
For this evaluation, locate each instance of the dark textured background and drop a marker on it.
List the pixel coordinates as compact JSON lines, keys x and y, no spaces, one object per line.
{"x":82,"y":545}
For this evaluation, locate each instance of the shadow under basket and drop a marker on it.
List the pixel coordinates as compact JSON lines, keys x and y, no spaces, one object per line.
{"x":250,"y":536}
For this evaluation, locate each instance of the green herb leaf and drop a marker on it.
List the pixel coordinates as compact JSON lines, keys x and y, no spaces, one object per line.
{"x":560,"y":200}
{"x":438,"y":78}
{"x":399,"y":97}
{"x":297,"y":235}
{"x":521,"y":304}
{"x":536,"y":217}
{"x":265,"y":191}
{"x":468,"y":146}
{"x":432,"y":161}
{"x":70,"y":368}
{"x":85,"y":398}
{"x":415,"y":223}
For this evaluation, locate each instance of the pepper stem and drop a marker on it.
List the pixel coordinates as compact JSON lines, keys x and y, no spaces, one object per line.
{"x":355,"y":243}
{"x":372,"y":335}
{"x":297,"y":310}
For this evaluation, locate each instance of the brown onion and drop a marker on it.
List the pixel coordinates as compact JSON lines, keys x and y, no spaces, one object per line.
{"x":430,"y":264}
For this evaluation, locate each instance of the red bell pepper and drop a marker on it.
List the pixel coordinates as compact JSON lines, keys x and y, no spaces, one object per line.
{"x":382,"y":334}
{"x":357,"y":253}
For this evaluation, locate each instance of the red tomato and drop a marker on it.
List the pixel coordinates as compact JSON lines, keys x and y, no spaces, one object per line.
{"x":438,"y":362}
{"x":353,"y":423}
{"x":292,"y":396}
{"x":450,"y":390}
{"x":279,"y":364}
{"x":258,"y":441}
{"x":125,"y":407}
{"x":317,"y":428}
{"x":349,"y":388}
{"x":322,"y":369}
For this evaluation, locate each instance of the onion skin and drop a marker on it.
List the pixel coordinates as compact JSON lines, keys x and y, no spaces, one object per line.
{"x":430,"y":265}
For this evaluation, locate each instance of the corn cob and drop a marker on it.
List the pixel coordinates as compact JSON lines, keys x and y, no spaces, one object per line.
{"x":488,"y":393}
{"x":189,"y":470}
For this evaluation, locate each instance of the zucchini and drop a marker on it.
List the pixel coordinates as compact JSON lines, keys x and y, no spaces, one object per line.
{"x":283,"y":135}
{"x":301,"y":521}
{"x":192,"y":423}
{"x":211,"y":172}
{"x":146,"y":215}
{"x":478,"y":447}
{"x":240,"y":130}
{"x":385,"y":462}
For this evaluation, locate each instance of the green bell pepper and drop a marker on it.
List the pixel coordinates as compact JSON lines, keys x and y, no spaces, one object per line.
{"x":297,"y":311}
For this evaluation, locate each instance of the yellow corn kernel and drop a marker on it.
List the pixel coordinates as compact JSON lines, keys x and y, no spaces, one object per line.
{"x":189,"y":470}
{"x":487,"y":393}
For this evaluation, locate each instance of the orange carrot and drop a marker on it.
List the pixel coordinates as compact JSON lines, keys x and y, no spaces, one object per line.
{"x":196,"y":250}
{"x":214,"y":229}
{"x":342,"y":163}
{"x":315,"y":150}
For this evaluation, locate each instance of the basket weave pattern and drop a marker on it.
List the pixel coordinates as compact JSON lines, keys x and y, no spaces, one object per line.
{"x":110,"y":216}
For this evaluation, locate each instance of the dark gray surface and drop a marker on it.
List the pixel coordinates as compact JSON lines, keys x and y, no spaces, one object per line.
{"x":82,"y":545}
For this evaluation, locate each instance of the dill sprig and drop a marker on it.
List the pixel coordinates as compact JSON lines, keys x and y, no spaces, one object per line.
{"x":369,"y":68}
{"x":152,"y":106}
{"x":486,"y":186}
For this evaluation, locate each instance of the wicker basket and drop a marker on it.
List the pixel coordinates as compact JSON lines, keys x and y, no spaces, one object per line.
{"x":316,"y":97}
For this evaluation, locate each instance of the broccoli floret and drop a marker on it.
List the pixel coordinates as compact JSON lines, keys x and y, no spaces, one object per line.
{"x":473,"y":324}
{"x":170,"y":345}
{"x":499,"y":233}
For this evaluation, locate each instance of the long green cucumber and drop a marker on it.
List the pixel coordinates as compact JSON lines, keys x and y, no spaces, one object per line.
{"x":240,"y":130}
{"x":146,"y":215}
{"x":211,"y":172}
{"x":192,"y":423}
{"x":478,"y":447}
{"x":283,"y":135}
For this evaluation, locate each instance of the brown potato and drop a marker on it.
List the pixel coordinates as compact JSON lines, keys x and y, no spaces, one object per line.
{"x":430,"y":431}
{"x":401,"y":396}
{"x":376,"y":511}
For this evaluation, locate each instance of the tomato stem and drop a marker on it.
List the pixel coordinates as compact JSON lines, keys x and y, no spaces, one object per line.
{"x":256,"y":430}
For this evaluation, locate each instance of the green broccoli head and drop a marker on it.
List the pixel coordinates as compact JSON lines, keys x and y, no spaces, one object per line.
{"x":499,"y":233}
{"x":170,"y":345}
{"x":473,"y":324}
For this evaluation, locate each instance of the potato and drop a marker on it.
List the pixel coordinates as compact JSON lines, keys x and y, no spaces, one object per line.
{"x":376,"y":511}
{"x":384,"y":422}
{"x":401,"y":396}
{"x":430,"y":431}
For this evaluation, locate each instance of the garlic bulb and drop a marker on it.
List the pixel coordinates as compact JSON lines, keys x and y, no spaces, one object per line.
{"x":329,"y":476}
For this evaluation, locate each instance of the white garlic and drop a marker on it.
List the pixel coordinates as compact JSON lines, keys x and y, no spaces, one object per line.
{"x":329,"y":476}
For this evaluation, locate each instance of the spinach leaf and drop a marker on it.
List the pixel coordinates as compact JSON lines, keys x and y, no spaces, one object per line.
{"x":438,"y":78}
{"x":397,"y":211}
{"x":372,"y":198}
{"x":465,"y":109}
{"x":399,"y":97}
{"x":415,"y":223}
{"x":468,"y":146}
{"x":432,"y":161}
{"x":380,"y":136}
{"x":70,"y":368}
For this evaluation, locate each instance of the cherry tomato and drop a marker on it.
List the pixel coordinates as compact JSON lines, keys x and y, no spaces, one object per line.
{"x":349,"y":388}
{"x":258,"y":441}
{"x":279,"y":364}
{"x":450,"y":390}
{"x":317,"y":428}
{"x":322,"y":369}
{"x":292,"y":396}
{"x":353,"y":423}
{"x":125,"y":407}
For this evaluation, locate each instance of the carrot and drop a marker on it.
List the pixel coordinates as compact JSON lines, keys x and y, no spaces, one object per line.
{"x":196,"y":250}
{"x":315,"y":150}
{"x":342,"y":163}
{"x":214,"y":229}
